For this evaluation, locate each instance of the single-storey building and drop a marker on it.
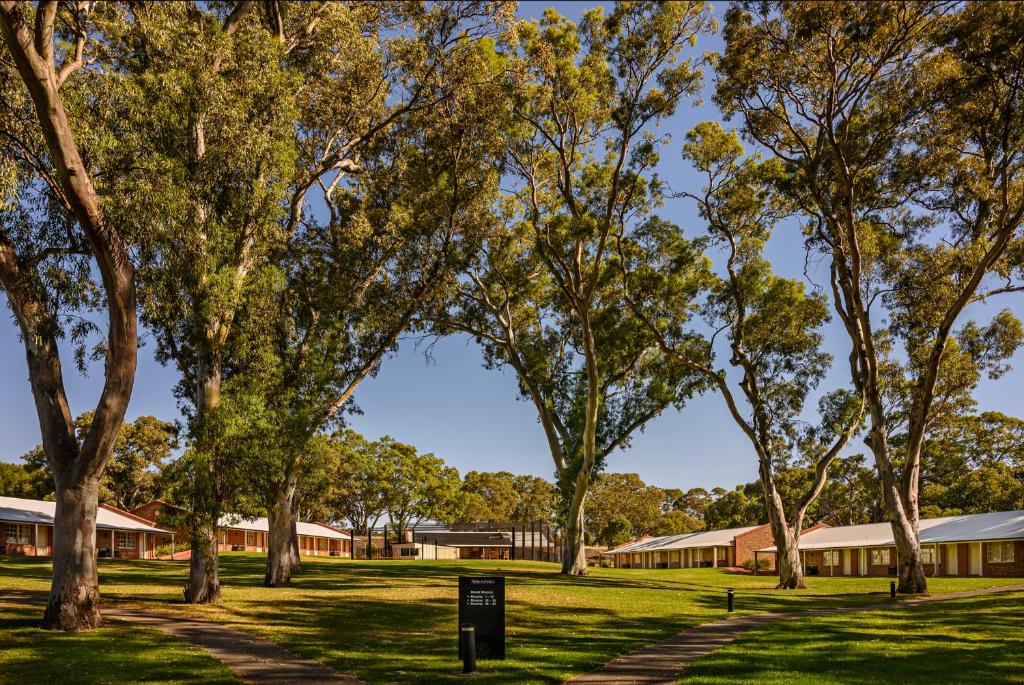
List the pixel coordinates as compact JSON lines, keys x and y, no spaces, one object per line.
{"x":536,"y":545}
{"x":989,"y":544}
{"x":238,"y":534}
{"x":424,"y":551}
{"x":27,"y":525}
{"x":708,"y":549}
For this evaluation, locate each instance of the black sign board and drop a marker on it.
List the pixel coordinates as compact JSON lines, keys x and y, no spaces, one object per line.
{"x":482,"y":604}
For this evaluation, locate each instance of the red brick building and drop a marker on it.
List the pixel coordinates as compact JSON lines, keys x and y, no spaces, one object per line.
{"x":709,"y":549}
{"x":26,"y":526}
{"x":989,"y":544}
{"x":238,"y":534}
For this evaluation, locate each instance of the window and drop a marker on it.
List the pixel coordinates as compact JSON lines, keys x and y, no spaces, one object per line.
{"x":831,"y":557}
{"x":721,"y":551}
{"x":17,"y":534}
{"x":927,"y":555}
{"x":410,"y":552}
{"x":250,"y":538}
{"x":879,"y":557}
{"x":675,"y":555}
{"x":125,"y":540}
{"x":999,"y":552}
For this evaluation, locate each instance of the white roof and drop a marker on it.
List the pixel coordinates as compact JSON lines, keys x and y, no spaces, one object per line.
{"x":263,"y":525}
{"x":18,"y":510}
{"x":710,"y":538}
{"x":999,"y":525}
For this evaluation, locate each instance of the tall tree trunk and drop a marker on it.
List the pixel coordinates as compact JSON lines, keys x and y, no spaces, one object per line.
{"x":204,"y":570}
{"x":903,"y":517}
{"x":74,"y":601}
{"x":574,"y":553}
{"x":786,"y":537}
{"x":283,"y":547}
{"x":74,"y":595}
{"x":204,"y":564}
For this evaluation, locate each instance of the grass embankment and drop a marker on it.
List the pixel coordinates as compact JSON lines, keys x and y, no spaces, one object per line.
{"x":396,"y":621}
{"x":971,"y":640}
{"x":117,"y":653}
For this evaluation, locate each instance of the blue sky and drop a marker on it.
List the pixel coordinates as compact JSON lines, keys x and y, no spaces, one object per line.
{"x":452,"y":406}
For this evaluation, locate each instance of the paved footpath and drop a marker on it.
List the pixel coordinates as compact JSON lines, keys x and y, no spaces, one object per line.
{"x":663,"y":662}
{"x":250,"y":658}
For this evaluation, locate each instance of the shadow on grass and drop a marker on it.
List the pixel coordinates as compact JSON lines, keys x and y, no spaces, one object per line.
{"x":974,"y":640}
{"x":116,"y":653}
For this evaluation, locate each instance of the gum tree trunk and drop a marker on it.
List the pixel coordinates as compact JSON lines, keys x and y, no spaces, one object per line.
{"x":574,"y":557}
{"x":74,"y":602}
{"x":903,"y":517}
{"x":204,"y":569}
{"x":283,"y":544}
{"x":791,"y":571}
{"x":204,"y":565}
{"x":77,"y":461}
{"x":911,"y":569}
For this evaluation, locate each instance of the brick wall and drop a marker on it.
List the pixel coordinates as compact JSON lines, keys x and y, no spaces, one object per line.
{"x":883,"y":568}
{"x":745,"y":544}
{"x":1014,"y":569}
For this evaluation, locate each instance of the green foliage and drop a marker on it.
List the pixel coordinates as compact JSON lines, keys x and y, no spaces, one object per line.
{"x":503,"y":498}
{"x":761,"y":564}
{"x":542,"y":296}
{"x":23,"y":480}
{"x":677,"y":523}
{"x":899,"y":133}
{"x":135,"y":472}
{"x":616,"y":531}
{"x":373,"y":478}
{"x":626,"y":496}
{"x":416,"y":486}
{"x":133,"y":476}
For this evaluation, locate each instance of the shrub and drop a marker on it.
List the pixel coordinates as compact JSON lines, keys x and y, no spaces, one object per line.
{"x":762,"y":564}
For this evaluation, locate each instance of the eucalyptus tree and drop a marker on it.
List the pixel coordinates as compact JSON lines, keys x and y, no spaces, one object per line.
{"x":56,"y":242}
{"x":359,"y":497}
{"x":213,"y":120}
{"x":901,"y":131}
{"x":771,"y":324}
{"x":543,"y":297}
{"x":399,"y":141}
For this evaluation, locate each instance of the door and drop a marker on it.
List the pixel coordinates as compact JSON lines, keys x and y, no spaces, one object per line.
{"x":974,"y":558}
{"x":862,"y":558}
{"x":846,"y":562}
{"x":951,"y":560}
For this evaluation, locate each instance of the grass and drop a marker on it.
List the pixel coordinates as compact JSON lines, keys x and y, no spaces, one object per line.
{"x":118,"y":653}
{"x":395,"y":622}
{"x":971,"y":640}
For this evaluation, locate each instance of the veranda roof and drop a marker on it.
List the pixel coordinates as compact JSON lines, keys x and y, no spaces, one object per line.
{"x":998,"y":525}
{"x":18,"y":510}
{"x":261,"y":524}
{"x":710,"y":538}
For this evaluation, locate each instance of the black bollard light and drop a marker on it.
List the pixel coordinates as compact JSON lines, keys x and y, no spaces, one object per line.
{"x":732,"y":600}
{"x":468,"y":648}
{"x":892,"y":589}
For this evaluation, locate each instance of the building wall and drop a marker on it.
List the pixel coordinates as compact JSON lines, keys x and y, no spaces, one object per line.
{"x":1004,"y":569}
{"x":745,"y":544}
{"x":149,"y":511}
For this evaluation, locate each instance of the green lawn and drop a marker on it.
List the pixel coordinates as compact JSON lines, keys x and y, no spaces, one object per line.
{"x":118,"y":653}
{"x":975,"y":640}
{"x":396,"y":621}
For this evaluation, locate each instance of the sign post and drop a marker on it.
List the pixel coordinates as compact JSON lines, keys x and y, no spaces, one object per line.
{"x":482,"y":605}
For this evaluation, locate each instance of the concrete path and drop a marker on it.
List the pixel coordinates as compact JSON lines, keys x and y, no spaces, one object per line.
{"x":662,"y":663}
{"x":251,"y":659}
